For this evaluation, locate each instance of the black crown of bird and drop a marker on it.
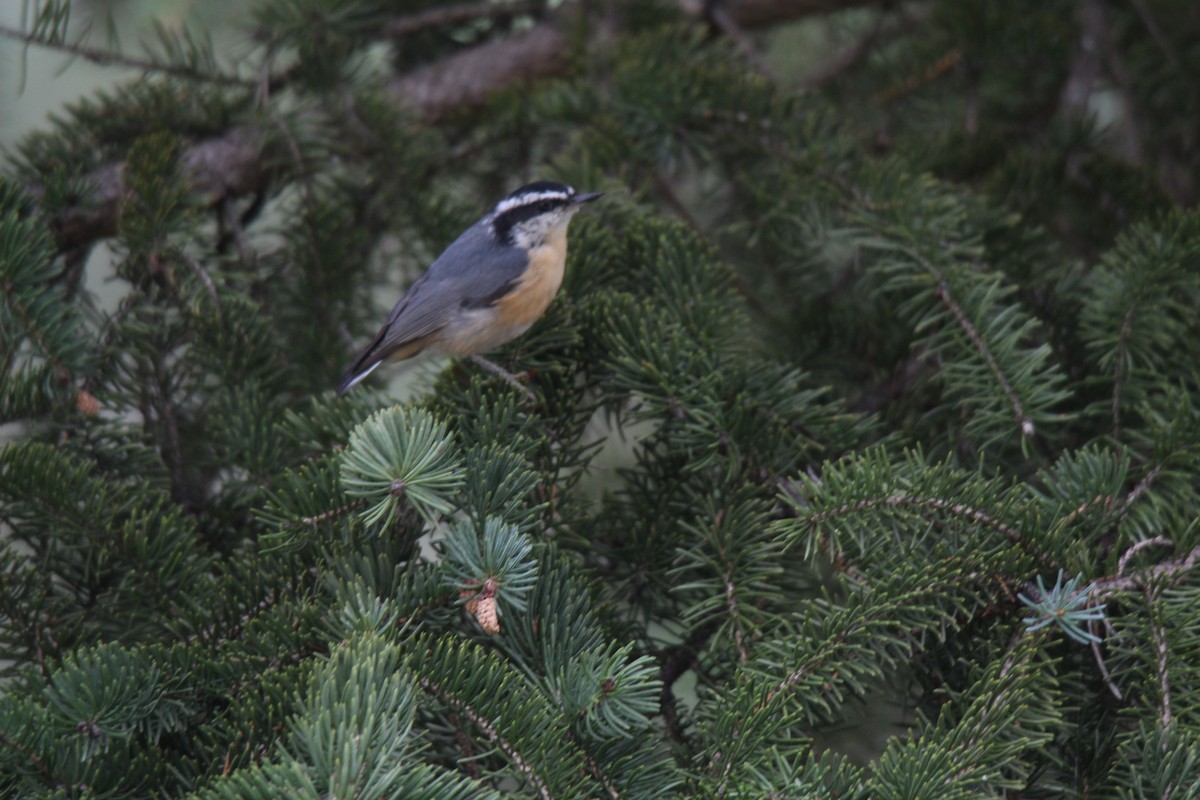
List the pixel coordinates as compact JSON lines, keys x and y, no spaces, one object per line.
{"x":487,"y":288}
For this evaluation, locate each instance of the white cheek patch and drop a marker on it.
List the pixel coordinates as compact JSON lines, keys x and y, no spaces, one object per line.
{"x":532,"y":233}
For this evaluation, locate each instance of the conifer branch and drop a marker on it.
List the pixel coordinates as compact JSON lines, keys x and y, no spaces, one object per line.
{"x":493,"y":735}
{"x":325,"y":516}
{"x":960,"y":316}
{"x":226,"y":166}
{"x":970,"y":514}
{"x":109,"y":58}
{"x":38,"y":336}
{"x":605,"y":781}
{"x":731,"y":603}
{"x":1160,"y":38}
{"x":32,"y":758}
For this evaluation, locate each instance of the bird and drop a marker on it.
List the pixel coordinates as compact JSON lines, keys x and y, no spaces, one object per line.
{"x":487,"y":288}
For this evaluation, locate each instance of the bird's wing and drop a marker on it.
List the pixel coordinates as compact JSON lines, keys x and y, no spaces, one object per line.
{"x":473,"y":272}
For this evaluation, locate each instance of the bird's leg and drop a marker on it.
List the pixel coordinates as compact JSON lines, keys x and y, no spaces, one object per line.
{"x":501,"y":372}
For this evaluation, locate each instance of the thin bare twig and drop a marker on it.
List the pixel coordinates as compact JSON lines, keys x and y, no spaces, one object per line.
{"x":1143,"y":486}
{"x":1164,"y":571}
{"x":1104,"y":673}
{"x":205,"y":278}
{"x":1128,"y":554}
{"x":934,"y":71}
{"x":1160,"y":662}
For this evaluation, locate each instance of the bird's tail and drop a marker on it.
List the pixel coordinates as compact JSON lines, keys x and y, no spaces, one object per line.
{"x":372,"y":357}
{"x":354,"y":375}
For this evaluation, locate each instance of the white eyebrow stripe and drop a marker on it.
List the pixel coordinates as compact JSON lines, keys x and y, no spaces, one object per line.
{"x":533,"y":197}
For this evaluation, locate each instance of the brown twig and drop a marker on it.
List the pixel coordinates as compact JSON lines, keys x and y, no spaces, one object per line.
{"x":325,"y":516}
{"x":1157,"y":541}
{"x":1105,"y":675}
{"x":934,"y":71}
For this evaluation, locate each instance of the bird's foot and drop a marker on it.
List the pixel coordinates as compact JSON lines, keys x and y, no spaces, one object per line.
{"x":505,"y":375}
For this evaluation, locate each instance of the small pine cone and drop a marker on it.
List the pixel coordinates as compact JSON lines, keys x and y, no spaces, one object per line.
{"x":486,"y":613}
{"x":87,"y":403}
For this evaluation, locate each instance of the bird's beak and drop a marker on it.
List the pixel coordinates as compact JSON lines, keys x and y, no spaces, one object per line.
{"x":587,"y":197}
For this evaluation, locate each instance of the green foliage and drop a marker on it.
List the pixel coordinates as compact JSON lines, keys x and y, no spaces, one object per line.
{"x":398,"y":454}
{"x":44,"y":343}
{"x":836,"y":382}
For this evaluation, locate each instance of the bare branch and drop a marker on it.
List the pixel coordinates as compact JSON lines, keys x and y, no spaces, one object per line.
{"x":233,"y":164}
{"x":225,"y":166}
{"x":466,"y":79}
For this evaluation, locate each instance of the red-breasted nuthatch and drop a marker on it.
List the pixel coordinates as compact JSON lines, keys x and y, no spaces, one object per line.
{"x":487,"y":288}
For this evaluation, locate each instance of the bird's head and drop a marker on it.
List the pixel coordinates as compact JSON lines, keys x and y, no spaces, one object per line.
{"x":527,"y":216}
